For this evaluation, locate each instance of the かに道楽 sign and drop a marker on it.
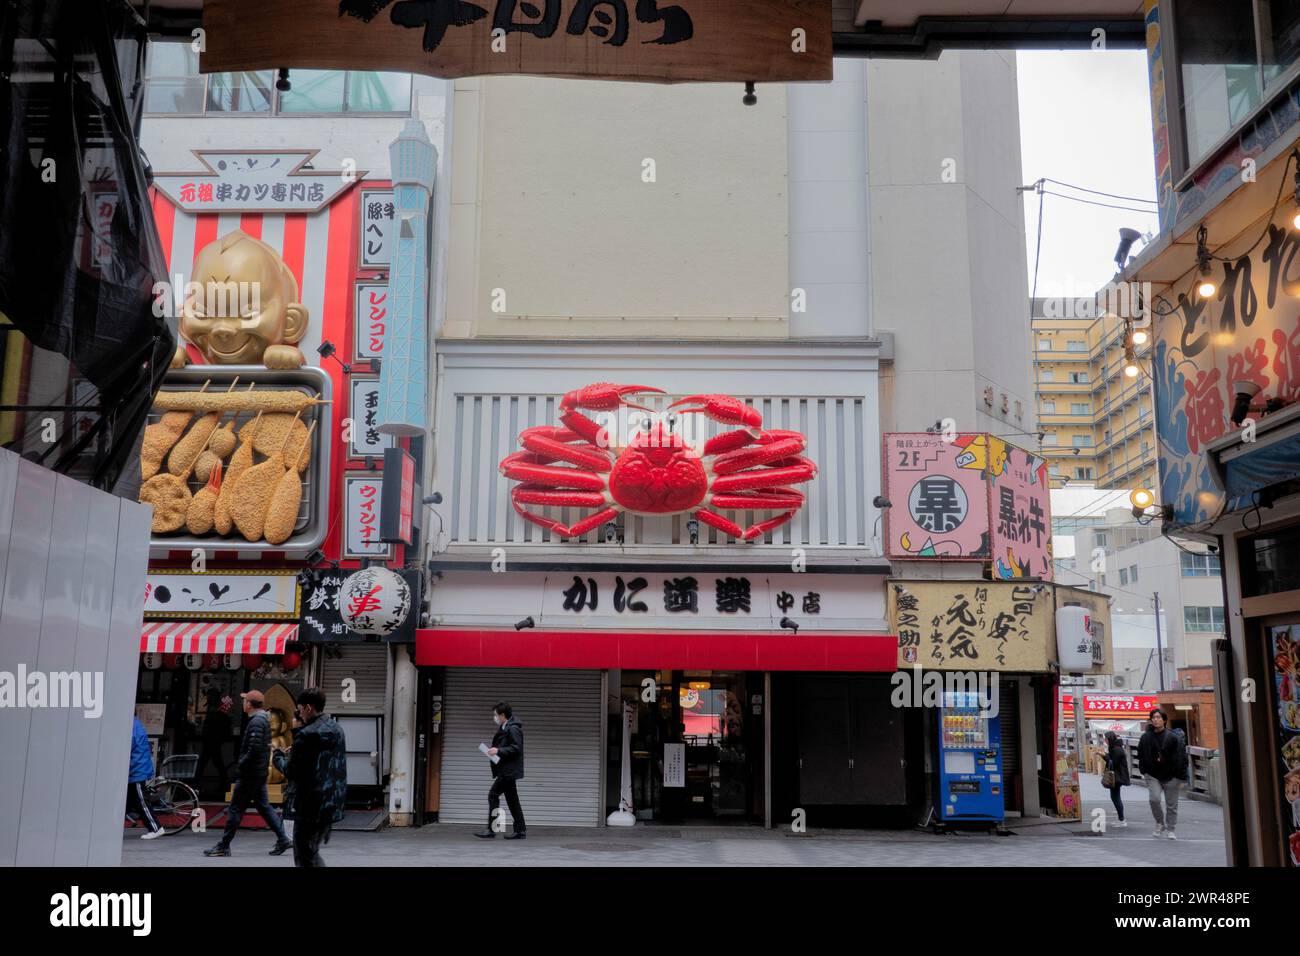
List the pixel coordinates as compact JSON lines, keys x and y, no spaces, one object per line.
{"x":654,"y":40}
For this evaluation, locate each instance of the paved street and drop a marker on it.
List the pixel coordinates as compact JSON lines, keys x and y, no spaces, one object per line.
{"x":1034,"y":843}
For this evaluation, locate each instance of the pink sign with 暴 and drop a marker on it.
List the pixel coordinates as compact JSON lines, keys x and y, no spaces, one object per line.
{"x":938,"y":496}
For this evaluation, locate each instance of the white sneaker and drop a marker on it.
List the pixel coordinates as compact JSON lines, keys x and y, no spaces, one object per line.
{"x":152,"y":835}
{"x":1159,"y":831}
{"x":1121,"y":823}
{"x":1171,"y":835}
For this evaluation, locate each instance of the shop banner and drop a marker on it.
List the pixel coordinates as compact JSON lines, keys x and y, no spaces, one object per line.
{"x":1117,"y":705}
{"x":255,"y":180}
{"x":655,"y":40}
{"x":1020,"y":506}
{"x":1285,"y":645}
{"x":973,"y":625}
{"x":654,"y":600}
{"x":938,"y":498}
{"x":221,"y":596}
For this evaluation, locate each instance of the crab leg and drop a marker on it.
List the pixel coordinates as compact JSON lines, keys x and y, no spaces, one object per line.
{"x":727,"y":441}
{"x":542,"y":440}
{"x":600,"y":397}
{"x":773,"y":499}
{"x":721,"y":408}
{"x":730,"y":527}
{"x":781,"y":448}
{"x":802,"y":470}
{"x":577,"y":529}
{"x":524,"y":466}
{"x":532,"y":494}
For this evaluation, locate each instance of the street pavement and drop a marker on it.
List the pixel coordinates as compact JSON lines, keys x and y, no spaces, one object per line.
{"x":1032,"y":843}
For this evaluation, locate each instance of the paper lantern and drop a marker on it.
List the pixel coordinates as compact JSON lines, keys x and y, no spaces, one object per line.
{"x":374,"y":601}
{"x":291,"y":660}
{"x":252,"y":661}
{"x":232,"y":662}
{"x":152,"y":661}
{"x":193,"y":661}
{"x":171,"y":661}
{"x":211,"y":662}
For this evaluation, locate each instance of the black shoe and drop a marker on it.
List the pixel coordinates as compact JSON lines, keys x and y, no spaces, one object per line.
{"x":219,"y":850}
{"x":281,"y":847}
{"x":517,"y":835}
{"x":486,"y":834}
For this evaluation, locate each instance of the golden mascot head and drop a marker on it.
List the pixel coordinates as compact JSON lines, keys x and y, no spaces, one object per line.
{"x":242,"y":306}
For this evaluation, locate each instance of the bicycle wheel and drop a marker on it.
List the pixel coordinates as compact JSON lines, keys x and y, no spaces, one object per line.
{"x":175,"y":805}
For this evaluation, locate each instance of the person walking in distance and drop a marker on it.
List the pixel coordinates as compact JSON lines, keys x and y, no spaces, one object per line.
{"x":140,"y":772}
{"x":250,"y":783}
{"x":213,"y":736}
{"x":1162,"y":760}
{"x":316,"y":768}
{"x":1117,"y":769}
{"x":508,"y":745}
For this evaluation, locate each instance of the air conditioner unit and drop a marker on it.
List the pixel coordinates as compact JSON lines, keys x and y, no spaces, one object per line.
{"x":1119,"y":680}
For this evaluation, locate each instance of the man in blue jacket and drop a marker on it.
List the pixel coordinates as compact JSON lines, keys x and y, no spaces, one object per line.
{"x":140,"y":772}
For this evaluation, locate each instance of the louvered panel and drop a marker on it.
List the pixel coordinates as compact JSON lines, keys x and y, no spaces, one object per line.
{"x":486,"y":428}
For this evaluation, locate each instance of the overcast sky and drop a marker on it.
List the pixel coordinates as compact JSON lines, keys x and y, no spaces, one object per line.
{"x":1085,"y":119}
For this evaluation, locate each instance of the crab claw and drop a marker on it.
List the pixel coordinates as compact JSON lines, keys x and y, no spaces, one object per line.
{"x":722,"y":408}
{"x":604,"y":397}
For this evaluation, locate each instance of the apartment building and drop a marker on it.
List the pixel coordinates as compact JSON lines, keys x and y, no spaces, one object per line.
{"x":1096,"y":423}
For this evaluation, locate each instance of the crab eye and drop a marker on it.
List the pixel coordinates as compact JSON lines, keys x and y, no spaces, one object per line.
{"x":646,"y":425}
{"x":672,"y":421}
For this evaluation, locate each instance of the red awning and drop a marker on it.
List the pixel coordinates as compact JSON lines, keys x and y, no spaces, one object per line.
{"x":216,"y":637}
{"x":651,"y":650}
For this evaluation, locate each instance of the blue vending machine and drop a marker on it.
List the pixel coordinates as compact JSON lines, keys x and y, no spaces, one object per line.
{"x":970,"y":762}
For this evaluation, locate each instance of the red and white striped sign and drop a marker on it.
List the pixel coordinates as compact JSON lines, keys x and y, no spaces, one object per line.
{"x":216,"y":637}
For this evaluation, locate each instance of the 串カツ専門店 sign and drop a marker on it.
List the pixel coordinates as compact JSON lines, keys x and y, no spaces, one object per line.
{"x":653,"y":40}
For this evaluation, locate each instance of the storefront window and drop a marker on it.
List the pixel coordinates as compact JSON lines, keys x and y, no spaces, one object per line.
{"x":334,"y":91}
{"x":314,"y":91}
{"x":1270,"y":563}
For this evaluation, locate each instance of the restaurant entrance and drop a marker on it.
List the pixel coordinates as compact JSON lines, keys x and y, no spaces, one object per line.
{"x":696,"y":745}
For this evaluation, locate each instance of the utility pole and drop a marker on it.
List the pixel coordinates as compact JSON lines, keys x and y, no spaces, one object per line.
{"x":1160,"y":654}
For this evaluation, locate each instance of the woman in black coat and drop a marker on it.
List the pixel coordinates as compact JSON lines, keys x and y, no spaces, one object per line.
{"x":1117,"y":763}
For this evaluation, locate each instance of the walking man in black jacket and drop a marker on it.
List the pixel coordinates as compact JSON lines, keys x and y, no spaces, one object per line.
{"x":316,"y":768}
{"x":508,"y":745}
{"x":1162,"y":760}
{"x":251,"y":773}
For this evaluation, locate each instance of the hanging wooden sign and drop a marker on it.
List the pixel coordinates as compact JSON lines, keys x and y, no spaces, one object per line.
{"x":648,"y":40}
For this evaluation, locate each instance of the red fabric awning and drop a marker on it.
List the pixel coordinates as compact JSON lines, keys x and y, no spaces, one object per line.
{"x":216,"y":637}
{"x":650,"y":650}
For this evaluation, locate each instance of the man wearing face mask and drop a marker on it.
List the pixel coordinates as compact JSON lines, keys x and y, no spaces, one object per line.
{"x":508,"y":745}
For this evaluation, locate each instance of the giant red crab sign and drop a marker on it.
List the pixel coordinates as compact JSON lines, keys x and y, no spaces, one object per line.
{"x":656,"y":471}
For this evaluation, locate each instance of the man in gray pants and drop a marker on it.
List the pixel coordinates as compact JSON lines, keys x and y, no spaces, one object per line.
{"x":1162,"y":761}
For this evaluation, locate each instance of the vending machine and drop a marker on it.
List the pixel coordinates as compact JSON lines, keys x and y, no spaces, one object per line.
{"x":970,"y":762}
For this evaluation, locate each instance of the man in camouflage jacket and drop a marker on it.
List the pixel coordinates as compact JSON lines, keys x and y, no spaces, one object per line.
{"x":316,"y":772}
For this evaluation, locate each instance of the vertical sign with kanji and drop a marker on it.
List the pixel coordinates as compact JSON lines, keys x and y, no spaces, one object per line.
{"x":361,"y":517}
{"x":364,"y":411}
{"x":371,"y":321}
{"x":378,"y":228}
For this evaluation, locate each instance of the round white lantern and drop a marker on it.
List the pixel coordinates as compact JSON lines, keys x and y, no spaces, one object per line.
{"x":232,"y":662}
{"x":152,"y":661}
{"x":374,"y":601}
{"x":192,"y":661}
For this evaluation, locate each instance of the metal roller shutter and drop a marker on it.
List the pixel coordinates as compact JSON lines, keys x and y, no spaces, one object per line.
{"x":1009,"y":725}
{"x":367,"y":664}
{"x":561,"y":714}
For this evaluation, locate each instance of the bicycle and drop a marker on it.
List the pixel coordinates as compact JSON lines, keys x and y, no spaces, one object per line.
{"x":173,"y":802}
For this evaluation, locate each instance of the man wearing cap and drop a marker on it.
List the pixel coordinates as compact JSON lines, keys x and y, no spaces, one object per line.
{"x":250,"y":783}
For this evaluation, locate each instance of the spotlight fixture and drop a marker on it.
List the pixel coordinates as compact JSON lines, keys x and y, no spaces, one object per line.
{"x":316,"y":557}
{"x":1141,"y":499}
{"x":1131,"y":367}
{"x":1139,"y":337}
{"x":789,"y":625}
{"x":1126,"y":239}
{"x":693,"y":529}
{"x":433,"y":499}
{"x":1245,"y":391}
{"x":327,"y":350}
{"x":611,"y":532}
{"x":749,"y":99}
{"x":1206,"y":287}
{"x":881,"y":502}
{"x":282,"y":81}
{"x":525,"y":624}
